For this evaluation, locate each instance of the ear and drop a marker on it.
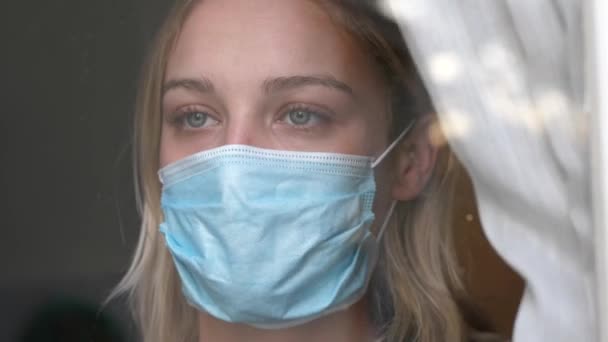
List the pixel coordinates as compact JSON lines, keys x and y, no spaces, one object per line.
{"x":416,"y":158}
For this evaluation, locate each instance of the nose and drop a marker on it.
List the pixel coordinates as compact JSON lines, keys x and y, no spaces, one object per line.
{"x":246,"y":129}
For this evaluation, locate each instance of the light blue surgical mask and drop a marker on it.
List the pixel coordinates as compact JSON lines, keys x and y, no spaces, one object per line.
{"x":271,"y":238}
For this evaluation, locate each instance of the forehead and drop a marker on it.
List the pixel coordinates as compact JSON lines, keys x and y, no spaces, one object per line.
{"x":245,"y":39}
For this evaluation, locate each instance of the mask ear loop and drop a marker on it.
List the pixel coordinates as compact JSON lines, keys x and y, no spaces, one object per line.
{"x":393,"y":144}
{"x":378,"y":161}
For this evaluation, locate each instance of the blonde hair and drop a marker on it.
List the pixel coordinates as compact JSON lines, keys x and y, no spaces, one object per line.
{"x":413,"y":290}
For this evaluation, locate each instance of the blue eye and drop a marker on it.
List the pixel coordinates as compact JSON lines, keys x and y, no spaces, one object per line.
{"x":196,"y":119}
{"x":299,"y":117}
{"x":193,"y":119}
{"x":303,"y":117}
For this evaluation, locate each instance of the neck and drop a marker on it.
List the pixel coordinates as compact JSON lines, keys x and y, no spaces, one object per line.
{"x":350,"y":325}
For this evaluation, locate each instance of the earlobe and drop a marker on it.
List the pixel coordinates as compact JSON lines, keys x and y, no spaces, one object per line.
{"x":415,"y":161}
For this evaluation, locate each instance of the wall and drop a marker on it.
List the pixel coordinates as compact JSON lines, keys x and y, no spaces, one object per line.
{"x":69,"y":71}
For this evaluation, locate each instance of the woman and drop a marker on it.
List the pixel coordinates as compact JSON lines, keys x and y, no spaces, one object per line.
{"x":286,"y":132}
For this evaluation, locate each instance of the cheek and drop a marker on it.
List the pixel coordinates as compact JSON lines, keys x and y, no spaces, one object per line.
{"x":372,"y":139}
{"x":365,"y":134}
{"x":166,"y":152}
{"x":384,"y":179}
{"x":171,"y":150}
{"x":384,"y":184}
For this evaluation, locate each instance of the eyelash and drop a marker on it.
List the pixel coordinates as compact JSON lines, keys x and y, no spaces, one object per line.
{"x":321,"y":116}
{"x":178,"y":118}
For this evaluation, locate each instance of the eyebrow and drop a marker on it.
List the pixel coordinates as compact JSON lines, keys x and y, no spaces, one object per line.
{"x":200,"y":85}
{"x":293,"y":82}
{"x":204,"y":85}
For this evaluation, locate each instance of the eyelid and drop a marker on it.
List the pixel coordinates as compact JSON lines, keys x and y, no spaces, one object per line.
{"x":317,"y":111}
{"x":178,"y":117}
{"x":192,"y":108}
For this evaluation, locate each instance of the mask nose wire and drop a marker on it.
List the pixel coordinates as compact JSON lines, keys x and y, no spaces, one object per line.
{"x":393,"y":144}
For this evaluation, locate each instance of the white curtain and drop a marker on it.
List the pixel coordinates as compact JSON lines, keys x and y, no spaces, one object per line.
{"x":507,"y":78}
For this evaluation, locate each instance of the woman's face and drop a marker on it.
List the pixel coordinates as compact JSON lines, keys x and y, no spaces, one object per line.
{"x":274,"y":74}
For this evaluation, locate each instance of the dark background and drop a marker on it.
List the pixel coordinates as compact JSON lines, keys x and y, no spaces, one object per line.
{"x":69,"y":70}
